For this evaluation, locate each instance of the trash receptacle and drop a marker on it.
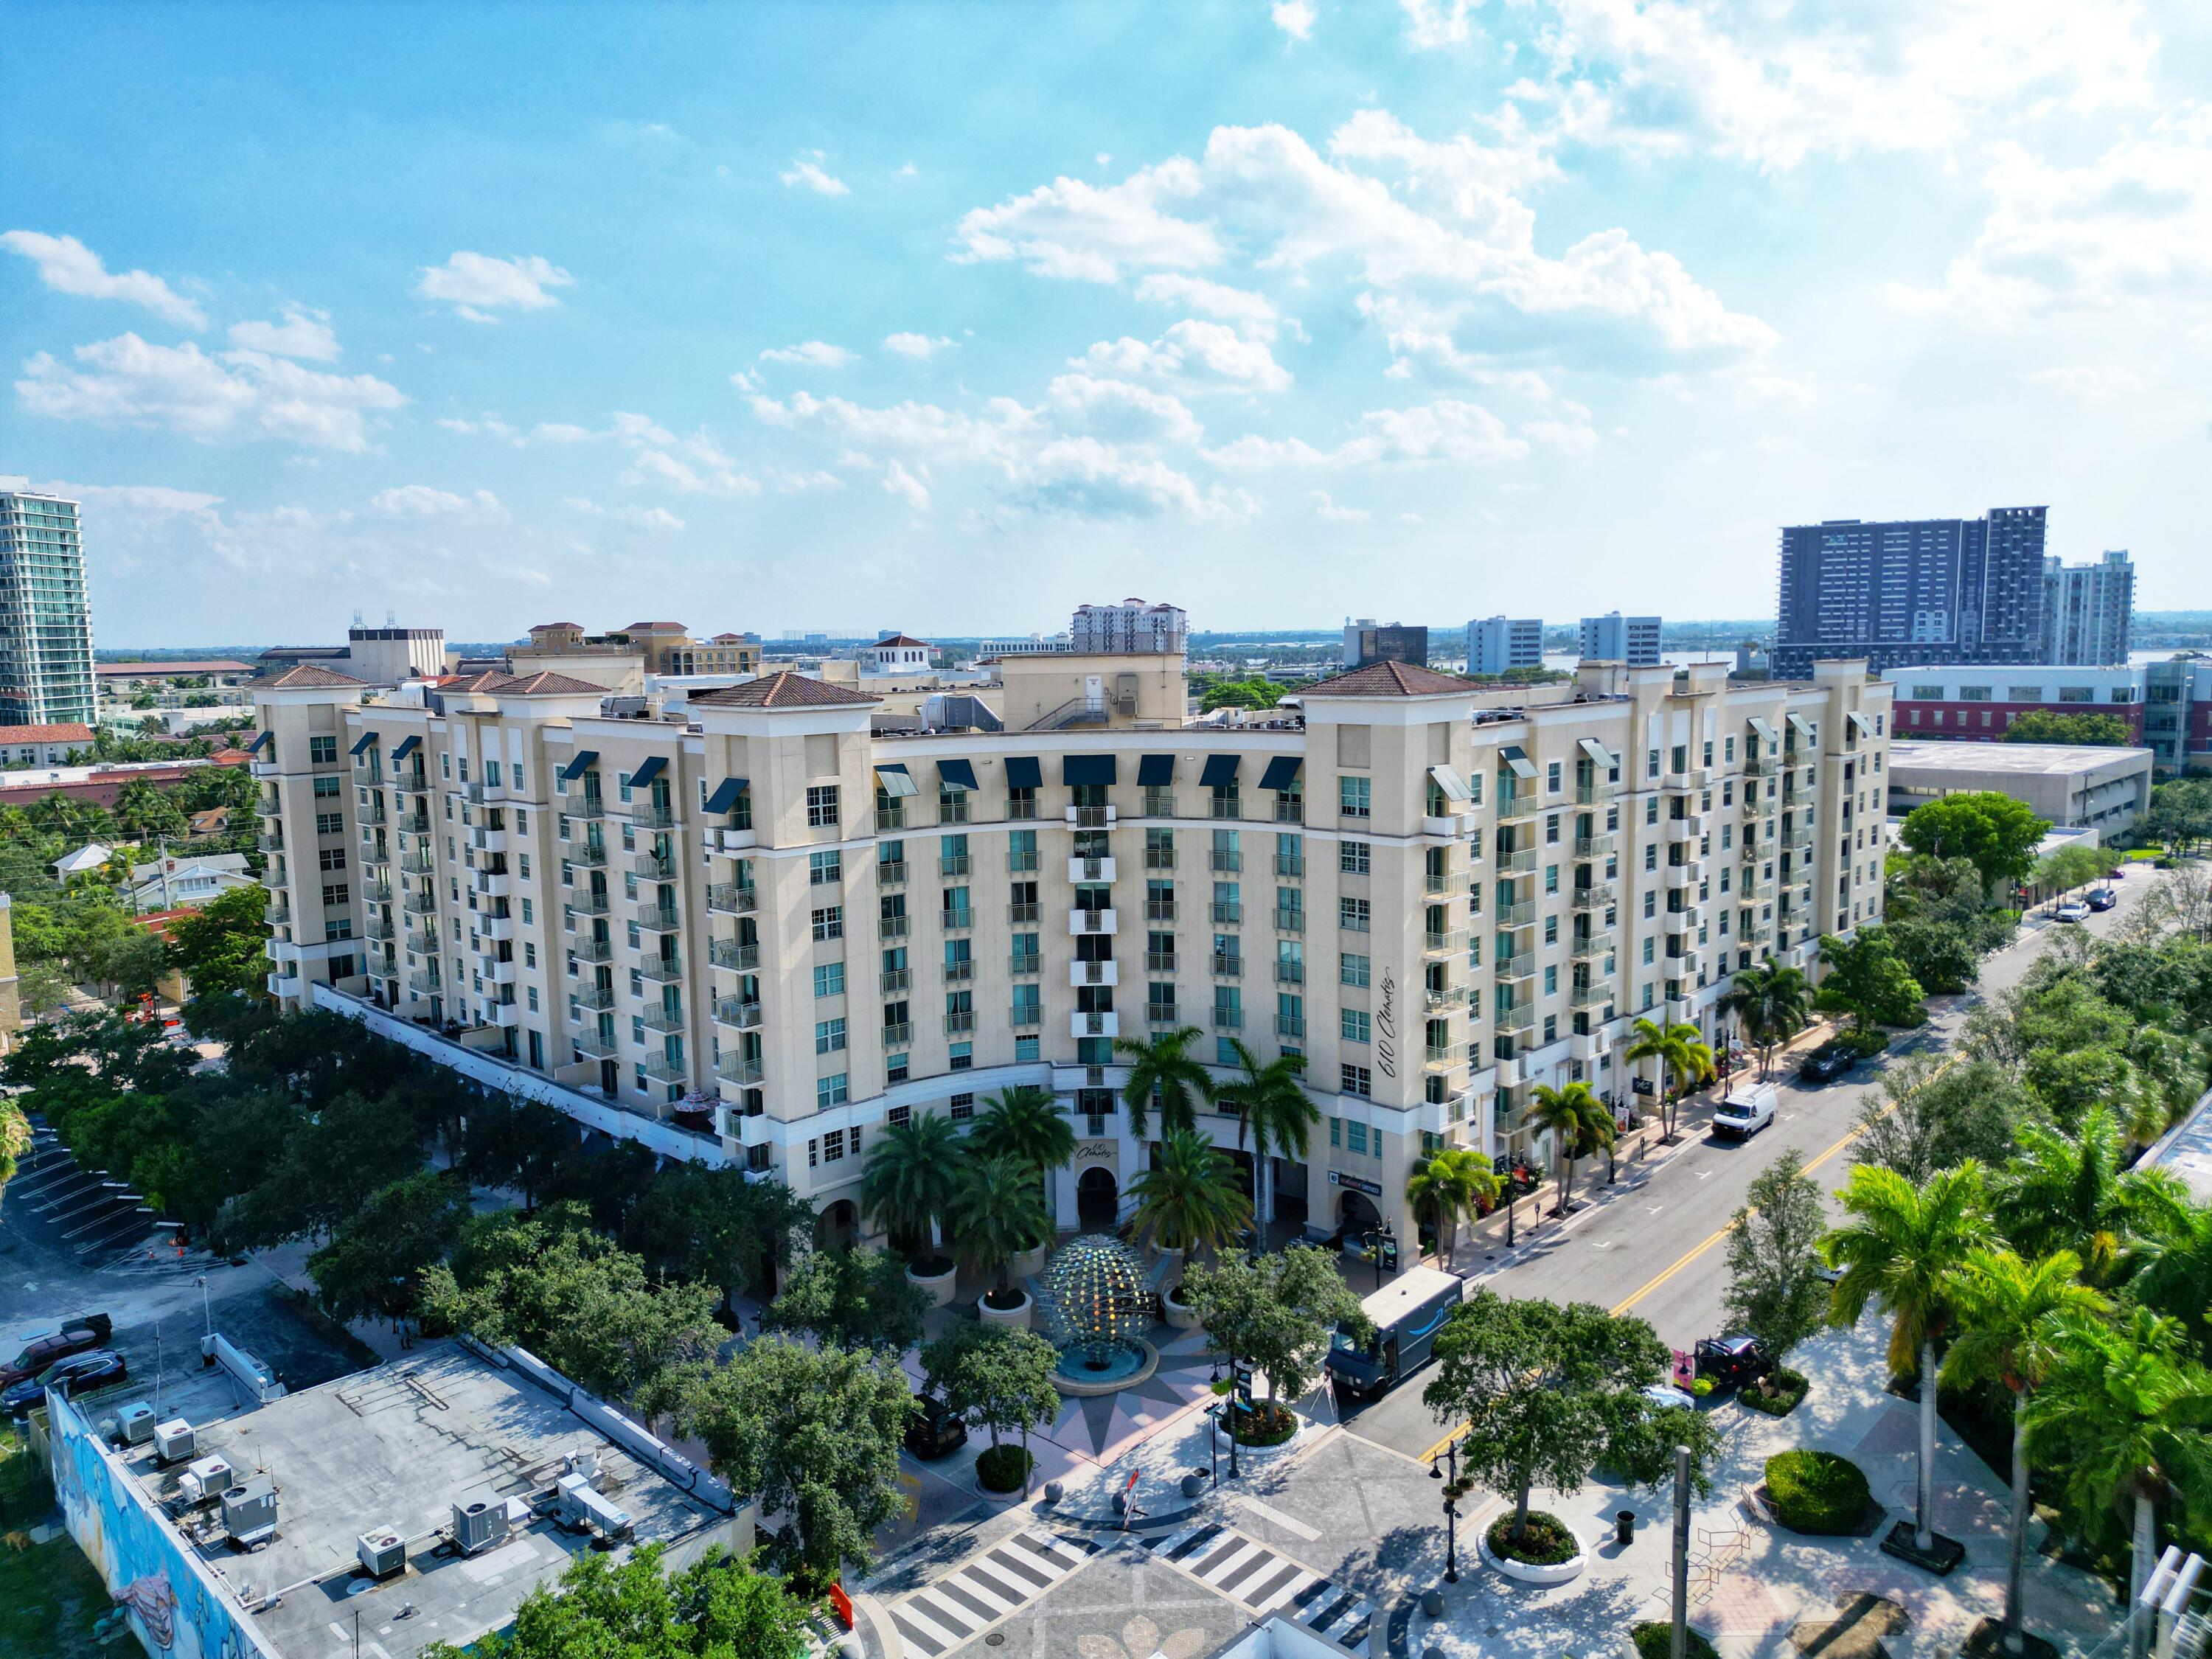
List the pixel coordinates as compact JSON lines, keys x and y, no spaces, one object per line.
{"x":1623,"y":1527}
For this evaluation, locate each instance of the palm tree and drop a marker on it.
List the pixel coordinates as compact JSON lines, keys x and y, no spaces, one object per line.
{"x":1903,"y":1249}
{"x":2064,"y":1192}
{"x":2011,"y":1317}
{"x":1272,"y":1106}
{"x":1453,"y":1185}
{"x":996,"y":1214}
{"x":1679,"y":1049}
{"x":2124,"y":1414}
{"x":2171,"y":1272}
{"x":1023,"y":1124}
{"x":1581,"y":1122}
{"x":1771,"y":1003}
{"x":1190,"y":1199}
{"x":913,"y":1170}
{"x":1162,"y":1070}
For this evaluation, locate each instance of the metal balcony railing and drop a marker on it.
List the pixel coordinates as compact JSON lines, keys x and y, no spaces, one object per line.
{"x":587,"y":948}
{"x":1026,"y":961}
{"x":728,"y":953}
{"x":594,"y":996}
{"x":1289,"y":919}
{"x":1227,"y":965}
{"x":662,"y":970}
{"x":739,"y":1013}
{"x":891,"y":873}
{"x":733,"y":898}
{"x":589,"y":902}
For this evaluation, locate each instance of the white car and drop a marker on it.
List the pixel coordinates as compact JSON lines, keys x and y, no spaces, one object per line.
{"x":2071,"y":913}
{"x":1743,"y":1114}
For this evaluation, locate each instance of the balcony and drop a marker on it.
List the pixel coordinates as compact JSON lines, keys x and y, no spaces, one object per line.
{"x":1595,"y":846}
{"x":1227,"y":964}
{"x":1160,"y":962}
{"x":1021,"y":860}
{"x":375,"y":927}
{"x":1597,"y":895}
{"x":592,"y":995}
{"x":1290,"y":1028}
{"x":1025,"y":915}
{"x":279,"y":915}
{"x":1089,"y":870}
{"x":1588,"y":947}
{"x":586,"y":947}
{"x":418,"y":902}
{"x":1682,"y":876}
{"x":959,"y":919}
{"x":588,"y":901}
{"x":584,"y":806}
{"x":891,"y":873}
{"x":1291,"y":867}
{"x":1694,"y":777}
{"x":1081,"y":1025}
{"x":1094,"y":973}
{"x":1514,"y":804}
{"x":1760,"y":766}
{"x":423,"y":983}
{"x":1516,"y":968}
{"x":657,"y":918}
{"x":1026,"y":961}
{"x":1290,"y":918}
{"x":729,"y":954}
{"x":1510,"y":1022}
{"x":495,"y":884}
{"x":1596,"y":792}
{"x":1687,"y":830}
{"x":739,"y":1013}
{"x":1225,"y":861}
{"x":1093,"y":817}
{"x":652,"y":815}
{"x":894,"y":927}
{"x":1160,"y":804}
{"x":733,"y":898}
{"x":898,"y":1034}
{"x":654,"y":867}
{"x":960,"y":1022}
{"x":1226,"y":915}
{"x":1796,"y":840}
{"x":1092,"y":922}
{"x":1161,"y":1016}
{"x":371,"y":812}
{"x":270,"y":841}
{"x":952,"y":864}
{"x":1159,"y":909}
{"x":599,"y":1045}
{"x":662,"y":970}
{"x":1448,"y":942}
{"x":1521,"y":861}
{"x":1227,"y":1019}
{"x":661,"y":1069}
{"x":1159,"y":857}
{"x":664,"y":1022}
{"x":1444,"y":1001}
{"x":1510,"y":916}
{"x":1442,"y":1056}
{"x":1290,"y":809}
{"x":1224,"y":806}
{"x":417,"y":861}
{"x":960,"y":971}
{"x":1449,"y":826}
{"x":1590,"y":996}
{"x":1290,"y":973}
{"x":414,"y":824}
{"x":738,"y":1069}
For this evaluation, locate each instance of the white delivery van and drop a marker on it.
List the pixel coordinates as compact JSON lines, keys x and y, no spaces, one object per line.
{"x":1744,"y":1111}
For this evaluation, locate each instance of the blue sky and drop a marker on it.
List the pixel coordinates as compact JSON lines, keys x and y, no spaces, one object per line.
{"x":953,"y":317}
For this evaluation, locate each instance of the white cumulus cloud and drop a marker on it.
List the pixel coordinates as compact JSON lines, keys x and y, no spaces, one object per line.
{"x":1294,"y":17}
{"x":421,"y":502}
{"x":921,"y":348}
{"x":807,"y":172}
{"x":814,"y":354}
{"x":68,"y":266}
{"x":478,"y":284}
{"x":303,"y":333}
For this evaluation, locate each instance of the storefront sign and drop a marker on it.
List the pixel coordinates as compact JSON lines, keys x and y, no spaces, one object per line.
{"x":1386,"y":1027}
{"x":1094,"y":1149}
{"x":1641,"y":1086}
{"x":1338,"y":1178}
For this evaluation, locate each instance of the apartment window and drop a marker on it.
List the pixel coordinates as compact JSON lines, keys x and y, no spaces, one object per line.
{"x":1651,"y":811}
{"x":829,"y":922}
{"x":1551,"y":778}
{"x":1355,"y":1137}
{"x":1651,"y":857}
{"x":322,"y":751}
{"x":1355,"y":797}
{"x":1353,"y":914}
{"x":829,"y":1037}
{"x":896,"y":1115}
{"x":1021,"y":803}
{"x":331,"y":858}
{"x":336,"y":893}
{"x":1551,"y":930}
{"x":1356,"y":1080}
{"x":829,"y":979}
{"x":2077,"y":694}
{"x":533,"y":1001}
{"x":959,"y":1056}
{"x":1647,"y":952}
{"x":1028,"y":1050}
{"x":527,"y":911}
{"x":1028,"y":1005}
{"x":1354,"y":858}
{"x":824,"y":869}
{"x":1551,"y":981}
{"x":329,"y":824}
{"x":821,"y":805}
{"x":1353,"y":969}
{"x":962,"y":1109}
{"x":1552,"y":831}
{"x":832,"y":1090}
{"x":1355,"y":1026}
{"x":529,"y":955}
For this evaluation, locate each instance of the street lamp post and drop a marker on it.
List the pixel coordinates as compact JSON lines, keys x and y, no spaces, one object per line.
{"x":1230,"y":1407}
{"x":1451,"y":1510}
{"x":1213,"y":1443}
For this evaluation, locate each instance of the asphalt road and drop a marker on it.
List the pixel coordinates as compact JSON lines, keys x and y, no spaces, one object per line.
{"x":1652,"y":1243}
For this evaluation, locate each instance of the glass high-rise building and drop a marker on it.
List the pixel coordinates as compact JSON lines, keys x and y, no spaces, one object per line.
{"x":1905,"y":593}
{"x":46,"y":620}
{"x":2088,"y":610}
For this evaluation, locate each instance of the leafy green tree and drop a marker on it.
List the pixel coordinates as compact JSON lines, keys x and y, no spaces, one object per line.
{"x":717,"y":1226}
{"x":1454,"y":1184}
{"x":2049,"y":726}
{"x":853,"y":1298}
{"x":1272,"y":1110}
{"x":1189,"y":1199}
{"x":145,"y":811}
{"x":997,"y":1212}
{"x":2170,"y":1273}
{"x":1580,"y":1123}
{"x":1901,"y":1249}
{"x":996,"y":1378}
{"x":1024,"y":1124}
{"x":912,"y":1173}
{"x":2074,"y":1193}
{"x":374,"y":1266}
{"x":2012,"y":1318}
{"x":1867,"y":980}
{"x":331,"y":1161}
{"x":1683,"y":1055}
{"x":220,"y":947}
{"x":1162,"y":1071}
{"x":1939,"y":955}
{"x":1994,"y":831}
{"x":813,"y":1433}
{"x":521,"y":1143}
{"x":1771,"y":1003}
{"x":15,"y":1138}
{"x":1935,"y":1113}
{"x":2063,"y":869}
{"x":1775,"y":1290}
{"x":718,"y":1607}
{"x":1545,"y":1390}
{"x":1276,"y":1313}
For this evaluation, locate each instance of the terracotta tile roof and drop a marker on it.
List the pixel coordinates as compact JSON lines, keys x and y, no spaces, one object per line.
{"x":63,"y":733}
{"x":900,"y":640}
{"x":546,"y":683}
{"x":654,"y":628}
{"x":303,"y":676}
{"x":1389,"y":679}
{"x":784,"y":690}
{"x":488,"y":679}
{"x":727,"y":639}
{"x":540,"y":628}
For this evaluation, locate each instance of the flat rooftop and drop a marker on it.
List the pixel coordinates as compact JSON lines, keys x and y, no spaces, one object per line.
{"x":2185,"y":1153}
{"x":392,"y":1448}
{"x":2012,"y":759}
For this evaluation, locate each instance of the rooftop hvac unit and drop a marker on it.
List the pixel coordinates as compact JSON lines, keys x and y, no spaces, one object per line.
{"x":581,"y":1506}
{"x":479,"y":1522}
{"x":584,"y":1461}
{"x":173,"y":1441}
{"x":383,"y":1552}
{"x":205,"y":1478}
{"x":135,"y":1423}
{"x":249,"y":1512}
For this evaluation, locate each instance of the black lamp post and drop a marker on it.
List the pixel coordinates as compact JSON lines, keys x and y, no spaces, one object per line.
{"x":1451,"y":1510}
{"x":1512,"y":1193}
{"x":1213,"y":1445}
{"x":1231,"y":1409}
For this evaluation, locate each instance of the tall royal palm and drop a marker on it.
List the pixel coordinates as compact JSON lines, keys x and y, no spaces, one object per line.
{"x":1451,"y":1186}
{"x":1023,"y":1124}
{"x":1189,"y":1201}
{"x":2171,"y":1272}
{"x":1681,"y":1052}
{"x":912,"y":1172}
{"x":1162,"y":1071}
{"x":2073,"y":1193}
{"x":996,"y":1214}
{"x":1580,"y":1124}
{"x":1770,"y":1004}
{"x":2126,"y":1413}
{"x":1901,"y":1249}
{"x":2012,"y":1318}
{"x":1273,"y":1111}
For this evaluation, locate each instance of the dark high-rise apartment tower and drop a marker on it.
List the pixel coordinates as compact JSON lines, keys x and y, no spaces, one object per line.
{"x":1908,"y":591}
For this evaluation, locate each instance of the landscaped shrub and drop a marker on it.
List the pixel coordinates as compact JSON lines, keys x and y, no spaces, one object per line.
{"x":1003,"y":1468}
{"x":1655,"y":1639}
{"x":1869,"y":1042}
{"x":1543,"y":1542}
{"x":1777,"y":1395}
{"x":1268,"y":1423}
{"x":1816,"y":1491}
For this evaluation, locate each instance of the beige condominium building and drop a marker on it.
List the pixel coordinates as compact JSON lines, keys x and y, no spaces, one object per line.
{"x":749,"y":930}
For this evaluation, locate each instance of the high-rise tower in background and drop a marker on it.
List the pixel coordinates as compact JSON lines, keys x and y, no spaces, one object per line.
{"x":2088,"y":612}
{"x":1907,"y":591}
{"x":45,"y":622}
{"x":1615,"y":638}
{"x":1495,"y":644}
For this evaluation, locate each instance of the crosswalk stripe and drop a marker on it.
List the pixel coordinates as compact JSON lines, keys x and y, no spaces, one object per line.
{"x":929,"y":1644}
{"x":995,"y":1585}
{"x":1264,"y":1593}
{"x":1266,"y":1582}
{"x":944,"y":1614}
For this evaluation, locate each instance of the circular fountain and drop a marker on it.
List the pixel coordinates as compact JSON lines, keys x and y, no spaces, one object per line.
{"x":1100,"y":1309}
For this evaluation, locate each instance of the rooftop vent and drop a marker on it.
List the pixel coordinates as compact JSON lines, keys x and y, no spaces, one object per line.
{"x":383,"y":1552}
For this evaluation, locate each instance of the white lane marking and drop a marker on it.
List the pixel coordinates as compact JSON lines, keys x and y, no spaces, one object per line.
{"x":1289,"y":1523}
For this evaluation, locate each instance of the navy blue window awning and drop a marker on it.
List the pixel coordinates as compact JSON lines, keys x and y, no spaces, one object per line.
{"x":955,"y":774}
{"x":1156,"y":771}
{"x":260,"y":742}
{"x":1219,"y":772}
{"x":648,"y":772}
{"x":1023,"y":772}
{"x":1087,"y":771}
{"x":369,"y":740}
{"x":407,"y":746}
{"x":726,"y":795}
{"x":584,"y":761}
{"x":1282,"y":773}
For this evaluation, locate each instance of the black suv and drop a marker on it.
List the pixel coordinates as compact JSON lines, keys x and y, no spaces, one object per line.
{"x":1829,"y":1061}
{"x":934,"y":1431}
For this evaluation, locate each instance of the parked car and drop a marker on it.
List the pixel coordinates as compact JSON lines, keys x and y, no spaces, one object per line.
{"x":75,"y":1336}
{"x":2071,"y":912}
{"x":1732,"y":1361}
{"x":1823,"y":1272}
{"x":78,"y":1374}
{"x":1664,"y":1396}
{"x":2100,"y":898}
{"x":1829,"y":1061}
{"x":935,"y":1432}
{"x":1743,"y":1112}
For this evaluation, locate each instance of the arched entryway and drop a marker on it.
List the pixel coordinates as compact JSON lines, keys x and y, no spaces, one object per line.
{"x":1356,"y":1212}
{"x":838,"y":1227}
{"x":1098,"y":1200}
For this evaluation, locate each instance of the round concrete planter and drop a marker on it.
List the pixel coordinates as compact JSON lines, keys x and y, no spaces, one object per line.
{"x":1170,"y":1263}
{"x":1014,"y":1318}
{"x":938,"y":1287}
{"x":1522,"y":1572}
{"x":1026,"y":1264}
{"x":1181,"y":1316}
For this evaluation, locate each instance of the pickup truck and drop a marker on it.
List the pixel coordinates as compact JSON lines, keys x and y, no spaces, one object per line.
{"x":77,"y":1335}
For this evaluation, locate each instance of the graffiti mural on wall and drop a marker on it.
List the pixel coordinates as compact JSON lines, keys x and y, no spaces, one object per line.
{"x":178,"y":1608}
